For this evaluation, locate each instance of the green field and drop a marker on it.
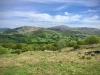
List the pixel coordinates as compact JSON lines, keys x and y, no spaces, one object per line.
{"x":50,"y":63}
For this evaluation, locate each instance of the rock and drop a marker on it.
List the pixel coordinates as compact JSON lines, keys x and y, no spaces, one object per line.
{"x":90,"y":52}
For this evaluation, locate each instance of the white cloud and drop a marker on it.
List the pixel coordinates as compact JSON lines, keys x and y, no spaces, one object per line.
{"x":36,"y":17}
{"x":76,"y":17}
{"x":66,"y":13}
{"x":95,"y":17}
{"x":44,"y":19}
{"x":61,"y":7}
{"x":89,"y":11}
{"x":92,"y":21}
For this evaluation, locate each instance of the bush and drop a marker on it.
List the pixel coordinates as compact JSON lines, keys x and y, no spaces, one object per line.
{"x":18,"y":46}
{"x":82,"y":57}
{"x":88,"y":57}
{"x":27,"y":48}
{"x":81,"y":42}
{"x":72,"y":43}
{"x":76,"y":46}
{"x":8,"y":45}
{"x":3,"y":50}
{"x":17,"y":51}
{"x":92,"y":40}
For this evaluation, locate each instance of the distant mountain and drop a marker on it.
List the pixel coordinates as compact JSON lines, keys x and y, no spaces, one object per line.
{"x":89,"y":30}
{"x":3,"y":29}
{"x":85,"y":30}
{"x":22,"y":30}
{"x":60,"y":28}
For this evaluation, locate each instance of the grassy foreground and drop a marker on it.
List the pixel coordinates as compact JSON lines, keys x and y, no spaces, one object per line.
{"x":50,"y":63}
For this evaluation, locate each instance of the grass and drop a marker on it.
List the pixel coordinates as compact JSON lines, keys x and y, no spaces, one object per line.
{"x":49,"y":63}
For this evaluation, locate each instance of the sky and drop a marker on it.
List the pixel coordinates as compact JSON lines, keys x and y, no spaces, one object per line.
{"x":49,"y":13}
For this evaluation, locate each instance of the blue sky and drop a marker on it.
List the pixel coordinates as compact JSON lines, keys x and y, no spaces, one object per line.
{"x":49,"y":13}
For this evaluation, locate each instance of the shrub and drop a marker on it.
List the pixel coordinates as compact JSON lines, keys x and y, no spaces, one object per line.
{"x":88,"y":57}
{"x":76,"y":46}
{"x":8,"y":45}
{"x":27,"y":48}
{"x":3,"y":50}
{"x":72,"y":43}
{"x":17,"y":51}
{"x":82,"y":57}
{"x":18,"y":46}
{"x":92,"y":39}
{"x":81,"y":42}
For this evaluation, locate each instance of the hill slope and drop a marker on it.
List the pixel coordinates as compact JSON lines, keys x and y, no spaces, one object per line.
{"x":26,"y":29}
{"x":21,"y":30}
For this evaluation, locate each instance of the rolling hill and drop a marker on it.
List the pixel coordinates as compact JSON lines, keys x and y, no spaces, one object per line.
{"x":26,"y":29}
{"x":60,"y":28}
{"x":28,"y":34}
{"x":21,"y":30}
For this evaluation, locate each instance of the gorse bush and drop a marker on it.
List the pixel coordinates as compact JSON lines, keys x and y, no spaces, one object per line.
{"x":8,"y":45}
{"x":72,"y":44}
{"x":18,"y":46}
{"x":81,"y":42}
{"x":76,"y":46}
{"x":27,"y":48}
{"x":3,"y":50}
{"x":17,"y":51}
{"x":92,"y":39}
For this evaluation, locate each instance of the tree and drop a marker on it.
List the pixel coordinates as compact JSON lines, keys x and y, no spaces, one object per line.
{"x":92,"y":39}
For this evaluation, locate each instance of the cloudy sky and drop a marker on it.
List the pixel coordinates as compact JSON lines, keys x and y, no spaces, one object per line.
{"x":48,"y":13}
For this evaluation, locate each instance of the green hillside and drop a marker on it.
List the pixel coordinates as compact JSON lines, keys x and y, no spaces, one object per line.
{"x":29,"y":34}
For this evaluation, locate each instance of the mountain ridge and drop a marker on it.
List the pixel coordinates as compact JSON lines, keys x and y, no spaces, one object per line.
{"x":26,"y":29}
{"x":60,"y":28}
{"x":22,"y":30}
{"x":86,"y":30}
